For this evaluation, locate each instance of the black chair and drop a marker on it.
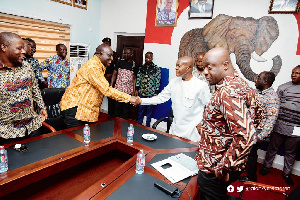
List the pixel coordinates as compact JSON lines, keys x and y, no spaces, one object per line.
{"x":52,"y":97}
{"x":169,"y":121}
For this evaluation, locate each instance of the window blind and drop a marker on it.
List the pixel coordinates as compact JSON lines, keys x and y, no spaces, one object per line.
{"x":46,"y":34}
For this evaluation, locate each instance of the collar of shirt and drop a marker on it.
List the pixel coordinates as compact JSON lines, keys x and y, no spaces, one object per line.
{"x":226,"y":80}
{"x":266,"y":91}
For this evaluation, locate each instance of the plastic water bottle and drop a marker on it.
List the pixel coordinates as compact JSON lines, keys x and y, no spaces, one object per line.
{"x":140,"y":162}
{"x":87,"y":134}
{"x":3,"y":160}
{"x":130,"y":133}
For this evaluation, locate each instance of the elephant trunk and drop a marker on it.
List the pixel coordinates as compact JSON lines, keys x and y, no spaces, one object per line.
{"x":243,"y":56}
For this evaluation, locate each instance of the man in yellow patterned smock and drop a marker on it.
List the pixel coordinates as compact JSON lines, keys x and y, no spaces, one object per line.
{"x":82,"y":100}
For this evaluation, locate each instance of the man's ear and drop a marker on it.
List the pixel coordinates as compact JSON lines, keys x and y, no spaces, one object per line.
{"x":225,"y":65}
{"x":3,"y":47}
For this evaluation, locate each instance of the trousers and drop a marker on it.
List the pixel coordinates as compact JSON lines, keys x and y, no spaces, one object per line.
{"x":290,"y":143}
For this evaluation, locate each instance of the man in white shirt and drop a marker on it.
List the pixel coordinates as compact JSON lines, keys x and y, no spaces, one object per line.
{"x":189,"y":95}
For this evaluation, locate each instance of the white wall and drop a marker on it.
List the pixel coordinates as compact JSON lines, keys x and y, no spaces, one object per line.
{"x":285,"y":45}
{"x":85,"y":24}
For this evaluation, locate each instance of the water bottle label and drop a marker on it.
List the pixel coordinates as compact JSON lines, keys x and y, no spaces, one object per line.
{"x":3,"y":159}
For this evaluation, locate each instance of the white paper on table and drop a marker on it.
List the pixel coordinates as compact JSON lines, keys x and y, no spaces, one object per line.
{"x":296,"y":131}
{"x":174,"y":173}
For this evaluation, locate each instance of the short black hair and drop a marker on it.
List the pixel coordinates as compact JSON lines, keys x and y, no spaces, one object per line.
{"x":149,"y":52}
{"x":107,"y":39}
{"x":269,"y":77}
{"x":58,"y":45}
{"x":29,"y":40}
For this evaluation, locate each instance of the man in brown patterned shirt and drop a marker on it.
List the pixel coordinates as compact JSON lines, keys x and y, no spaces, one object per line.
{"x":227,"y":131}
{"x":83,"y":98}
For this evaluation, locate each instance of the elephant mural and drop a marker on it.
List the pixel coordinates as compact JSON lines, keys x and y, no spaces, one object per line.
{"x":241,"y":36}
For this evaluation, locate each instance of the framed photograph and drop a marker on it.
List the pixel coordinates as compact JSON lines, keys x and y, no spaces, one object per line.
{"x":68,"y":2}
{"x":284,"y":7}
{"x":80,"y":4}
{"x":201,"y":9}
{"x":166,"y":12}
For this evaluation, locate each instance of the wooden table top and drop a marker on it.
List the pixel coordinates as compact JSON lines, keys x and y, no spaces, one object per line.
{"x":53,"y":153}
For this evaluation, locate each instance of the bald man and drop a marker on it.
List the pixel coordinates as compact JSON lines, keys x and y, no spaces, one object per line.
{"x":227,"y":131}
{"x":83,"y":98}
{"x":189,"y":95}
{"x":19,"y":89}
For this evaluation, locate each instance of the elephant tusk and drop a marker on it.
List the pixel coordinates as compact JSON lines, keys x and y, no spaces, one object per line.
{"x":258,"y":58}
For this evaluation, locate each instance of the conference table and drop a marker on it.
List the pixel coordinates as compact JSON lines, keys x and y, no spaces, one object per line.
{"x":59,"y":165}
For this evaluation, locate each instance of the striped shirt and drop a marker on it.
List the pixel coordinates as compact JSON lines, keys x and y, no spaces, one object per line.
{"x":88,"y":89}
{"x":289,"y":112}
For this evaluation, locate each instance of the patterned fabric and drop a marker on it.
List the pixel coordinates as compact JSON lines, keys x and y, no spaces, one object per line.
{"x":58,"y":72}
{"x":227,"y":131}
{"x":289,"y":112}
{"x":88,"y":89}
{"x":35,"y":66}
{"x":270,"y":103}
{"x":126,"y":72}
{"x":164,"y":17}
{"x":148,"y":80}
{"x":19,"y":89}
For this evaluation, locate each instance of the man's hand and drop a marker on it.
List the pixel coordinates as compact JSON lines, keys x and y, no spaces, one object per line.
{"x":43,"y":114}
{"x":135,"y":100}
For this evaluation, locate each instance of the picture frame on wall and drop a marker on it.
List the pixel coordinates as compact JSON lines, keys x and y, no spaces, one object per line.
{"x":284,"y":7}
{"x":166,"y":13}
{"x":201,"y":9}
{"x":80,"y":4}
{"x":68,"y":2}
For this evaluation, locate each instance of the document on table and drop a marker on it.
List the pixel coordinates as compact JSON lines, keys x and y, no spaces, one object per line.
{"x":176,"y":168}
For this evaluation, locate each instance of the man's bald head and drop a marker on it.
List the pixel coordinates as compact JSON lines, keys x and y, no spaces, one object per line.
{"x":184,"y":67}
{"x":7,"y":37}
{"x":105,"y":54}
{"x":217,"y":65}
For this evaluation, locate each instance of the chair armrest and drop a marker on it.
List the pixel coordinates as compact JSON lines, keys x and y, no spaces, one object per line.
{"x":158,"y":121}
{"x":48,"y":127}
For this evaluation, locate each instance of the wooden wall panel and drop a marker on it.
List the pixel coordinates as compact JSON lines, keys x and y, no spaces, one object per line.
{"x":46,"y":34}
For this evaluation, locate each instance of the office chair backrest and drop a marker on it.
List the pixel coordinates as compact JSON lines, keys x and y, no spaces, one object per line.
{"x":52,"y":97}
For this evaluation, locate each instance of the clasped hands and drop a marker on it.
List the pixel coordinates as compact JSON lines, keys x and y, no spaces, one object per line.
{"x":135,"y":100}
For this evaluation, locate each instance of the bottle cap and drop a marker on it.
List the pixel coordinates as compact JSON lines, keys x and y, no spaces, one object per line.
{"x":1,"y":147}
{"x":86,"y":124}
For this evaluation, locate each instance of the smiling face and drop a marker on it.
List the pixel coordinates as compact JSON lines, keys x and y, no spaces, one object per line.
{"x":168,"y":4}
{"x":106,"y":56}
{"x":15,"y":52}
{"x":296,"y":75}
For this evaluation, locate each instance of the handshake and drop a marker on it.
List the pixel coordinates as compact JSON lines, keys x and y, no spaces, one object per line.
{"x":135,"y":100}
